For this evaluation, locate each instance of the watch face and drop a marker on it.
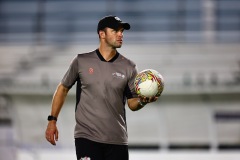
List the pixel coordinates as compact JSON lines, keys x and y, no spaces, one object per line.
{"x":52,"y":118}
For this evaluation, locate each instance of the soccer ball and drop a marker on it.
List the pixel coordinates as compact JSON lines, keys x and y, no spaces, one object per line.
{"x":149,"y":83}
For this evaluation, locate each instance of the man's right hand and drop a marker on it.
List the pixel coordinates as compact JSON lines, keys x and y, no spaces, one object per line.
{"x":51,"y":133}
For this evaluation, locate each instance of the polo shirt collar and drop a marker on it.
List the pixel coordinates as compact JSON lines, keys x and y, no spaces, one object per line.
{"x":102,"y":59}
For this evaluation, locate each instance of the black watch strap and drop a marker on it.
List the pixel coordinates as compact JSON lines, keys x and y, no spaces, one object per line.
{"x":50,"y":118}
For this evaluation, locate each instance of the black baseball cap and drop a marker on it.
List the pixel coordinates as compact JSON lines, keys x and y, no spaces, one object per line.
{"x":112,"y":22}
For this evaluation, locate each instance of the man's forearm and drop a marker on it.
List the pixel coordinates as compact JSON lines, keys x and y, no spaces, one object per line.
{"x":58,"y":99}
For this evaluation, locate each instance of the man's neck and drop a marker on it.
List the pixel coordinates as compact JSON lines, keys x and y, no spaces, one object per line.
{"x":107,"y":53}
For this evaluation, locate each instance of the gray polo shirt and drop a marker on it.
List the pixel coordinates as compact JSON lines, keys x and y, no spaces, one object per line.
{"x":102,"y":90}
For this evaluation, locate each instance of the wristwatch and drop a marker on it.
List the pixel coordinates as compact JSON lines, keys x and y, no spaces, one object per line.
{"x":141,"y":103}
{"x":50,"y":118}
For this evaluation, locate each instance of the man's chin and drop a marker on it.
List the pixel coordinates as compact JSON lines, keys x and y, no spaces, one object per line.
{"x":119,"y":46}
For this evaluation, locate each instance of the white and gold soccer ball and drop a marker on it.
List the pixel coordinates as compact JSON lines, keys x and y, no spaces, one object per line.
{"x":149,"y":83}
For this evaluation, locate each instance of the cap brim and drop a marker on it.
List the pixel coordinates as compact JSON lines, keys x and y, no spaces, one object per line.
{"x":126,"y":26}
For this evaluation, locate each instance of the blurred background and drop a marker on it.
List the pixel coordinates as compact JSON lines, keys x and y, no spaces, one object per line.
{"x":194,"y":44}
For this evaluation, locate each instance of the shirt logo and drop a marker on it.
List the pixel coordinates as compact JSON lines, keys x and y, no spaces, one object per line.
{"x":118,"y":75}
{"x":90,"y":70}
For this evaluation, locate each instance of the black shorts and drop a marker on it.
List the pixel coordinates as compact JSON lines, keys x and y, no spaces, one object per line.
{"x":90,"y":150}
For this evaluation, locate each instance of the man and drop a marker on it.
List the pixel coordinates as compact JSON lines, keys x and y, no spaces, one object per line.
{"x":105,"y":81}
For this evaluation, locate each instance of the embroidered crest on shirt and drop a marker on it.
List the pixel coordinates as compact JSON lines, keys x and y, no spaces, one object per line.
{"x":90,"y":70}
{"x":118,"y":75}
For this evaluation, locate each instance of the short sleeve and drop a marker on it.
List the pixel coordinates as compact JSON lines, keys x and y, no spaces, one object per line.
{"x":130,"y":90}
{"x":71,"y":75}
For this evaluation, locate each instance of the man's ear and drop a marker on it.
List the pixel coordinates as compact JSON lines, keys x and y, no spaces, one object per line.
{"x":102,"y":34}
